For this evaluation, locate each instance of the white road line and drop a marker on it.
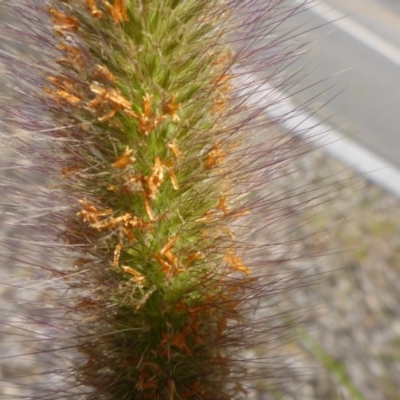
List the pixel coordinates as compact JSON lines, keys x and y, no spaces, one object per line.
{"x":372,"y":167}
{"x":357,"y":157}
{"x":357,"y":31}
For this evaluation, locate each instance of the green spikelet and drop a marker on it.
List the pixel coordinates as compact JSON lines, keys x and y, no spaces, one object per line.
{"x":151,"y":167}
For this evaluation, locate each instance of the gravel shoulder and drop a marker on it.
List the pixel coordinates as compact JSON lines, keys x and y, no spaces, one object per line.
{"x":349,"y":345}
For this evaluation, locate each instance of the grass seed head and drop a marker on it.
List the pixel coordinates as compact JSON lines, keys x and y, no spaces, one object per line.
{"x":139,"y":113}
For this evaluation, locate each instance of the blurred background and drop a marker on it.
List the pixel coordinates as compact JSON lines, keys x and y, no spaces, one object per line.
{"x":357,"y":46}
{"x":348,"y":78}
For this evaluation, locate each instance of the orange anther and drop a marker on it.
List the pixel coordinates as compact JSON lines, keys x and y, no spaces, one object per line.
{"x":175,"y":151}
{"x":236,"y":263}
{"x":93,"y":9}
{"x":125,"y":159}
{"x":117,"y":254}
{"x":117,"y":10}
{"x":171,"y":108}
{"x":62,"y":21}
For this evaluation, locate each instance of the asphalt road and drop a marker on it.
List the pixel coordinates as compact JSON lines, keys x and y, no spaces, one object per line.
{"x":350,"y":75}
